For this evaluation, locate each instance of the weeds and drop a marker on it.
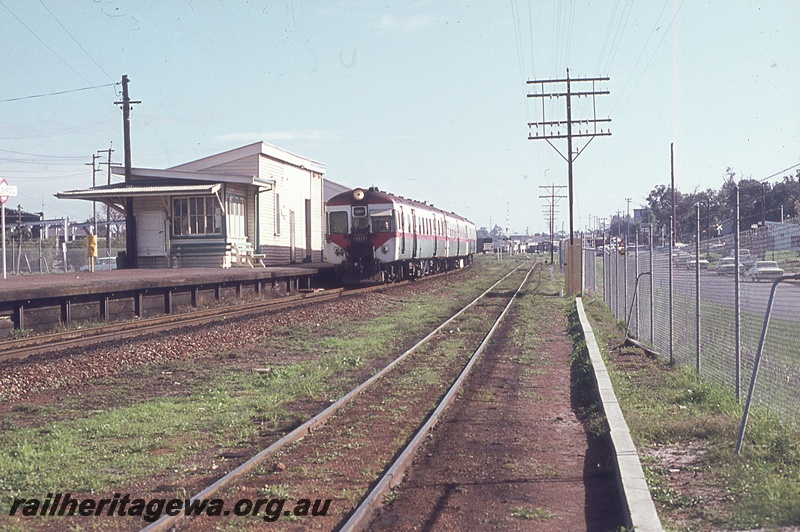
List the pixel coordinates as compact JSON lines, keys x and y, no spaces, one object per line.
{"x":686,"y":428}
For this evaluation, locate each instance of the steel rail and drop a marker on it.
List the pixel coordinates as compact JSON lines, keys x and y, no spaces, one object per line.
{"x":52,"y":338}
{"x":167,"y":521}
{"x":26,"y":347}
{"x":17,"y":349}
{"x":361,"y":517}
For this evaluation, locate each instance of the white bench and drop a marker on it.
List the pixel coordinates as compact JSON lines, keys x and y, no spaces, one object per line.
{"x":244,"y":255}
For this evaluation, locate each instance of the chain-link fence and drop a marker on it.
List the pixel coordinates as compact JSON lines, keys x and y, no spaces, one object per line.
{"x":48,"y":255}
{"x":709,"y":312}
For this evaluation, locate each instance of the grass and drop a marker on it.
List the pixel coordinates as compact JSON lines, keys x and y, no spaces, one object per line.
{"x":686,"y":428}
{"x":70,"y":448}
{"x":131,"y":442}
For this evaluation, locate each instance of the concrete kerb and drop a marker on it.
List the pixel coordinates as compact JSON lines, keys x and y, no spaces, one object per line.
{"x":640,"y":512}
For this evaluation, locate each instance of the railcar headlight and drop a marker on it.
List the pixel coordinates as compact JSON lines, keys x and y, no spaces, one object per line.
{"x":385,"y":249}
{"x":338,"y":251}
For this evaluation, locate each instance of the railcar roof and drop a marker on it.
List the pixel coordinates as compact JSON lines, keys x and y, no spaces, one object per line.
{"x":374,"y":196}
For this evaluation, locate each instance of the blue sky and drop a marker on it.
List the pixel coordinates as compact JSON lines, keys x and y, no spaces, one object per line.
{"x":425,"y":99}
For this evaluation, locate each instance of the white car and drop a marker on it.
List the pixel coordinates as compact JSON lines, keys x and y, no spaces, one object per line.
{"x":765,"y":269}
{"x":692,"y":263}
{"x":102,"y":263}
{"x":727,"y":265}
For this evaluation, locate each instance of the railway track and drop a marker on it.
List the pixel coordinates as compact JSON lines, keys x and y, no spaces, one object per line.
{"x":497,"y":304}
{"x":25,"y":347}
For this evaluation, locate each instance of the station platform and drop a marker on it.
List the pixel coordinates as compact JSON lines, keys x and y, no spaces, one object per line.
{"x":41,"y":302}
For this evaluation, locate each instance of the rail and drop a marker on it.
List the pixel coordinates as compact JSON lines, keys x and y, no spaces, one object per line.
{"x":317,"y":421}
{"x":394,"y":474}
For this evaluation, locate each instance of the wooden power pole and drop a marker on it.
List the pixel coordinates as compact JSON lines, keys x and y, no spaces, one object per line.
{"x":569,"y":129}
{"x":130,"y":220}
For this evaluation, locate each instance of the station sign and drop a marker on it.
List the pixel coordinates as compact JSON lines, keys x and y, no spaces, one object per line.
{"x":6,"y":190}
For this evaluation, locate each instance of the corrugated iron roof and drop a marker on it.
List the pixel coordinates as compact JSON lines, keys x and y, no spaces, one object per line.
{"x":117,"y":191}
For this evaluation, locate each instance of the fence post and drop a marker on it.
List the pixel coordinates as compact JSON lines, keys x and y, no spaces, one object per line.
{"x":636,"y":272}
{"x":759,"y":353}
{"x":625,"y":278}
{"x":594,"y":262}
{"x":737,"y":308}
{"x":697,"y":288}
{"x":671,"y":291}
{"x":652,"y":295}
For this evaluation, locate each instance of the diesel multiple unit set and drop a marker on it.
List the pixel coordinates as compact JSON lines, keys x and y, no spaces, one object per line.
{"x":374,"y":235}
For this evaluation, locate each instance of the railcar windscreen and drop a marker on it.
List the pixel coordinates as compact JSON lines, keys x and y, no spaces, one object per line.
{"x":338,"y":223}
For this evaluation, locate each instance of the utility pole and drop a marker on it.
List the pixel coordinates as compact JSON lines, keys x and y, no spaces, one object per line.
{"x":673,"y":222}
{"x":108,"y":153}
{"x":552,"y":130}
{"x":108,"y":163}
{"x":552,"y":200}
{"x":130,"y":220}
{"x":628,"y":224}
{"x":95,"y":169}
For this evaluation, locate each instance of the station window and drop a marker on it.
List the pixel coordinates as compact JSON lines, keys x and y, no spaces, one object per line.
{"x":196,"y":216}
{"x":337,"y":223}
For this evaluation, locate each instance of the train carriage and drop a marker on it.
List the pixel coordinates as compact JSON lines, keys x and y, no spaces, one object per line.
{"x":379,"y":236}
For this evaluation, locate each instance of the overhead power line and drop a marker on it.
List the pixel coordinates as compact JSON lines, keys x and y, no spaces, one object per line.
{"x":76,"y":41}
{"x":779,"y":173}
{"x":46,"y":45}
{"x":57,"y":93}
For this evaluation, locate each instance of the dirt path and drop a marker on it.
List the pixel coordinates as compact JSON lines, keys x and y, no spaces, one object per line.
{"x":512,"y":453}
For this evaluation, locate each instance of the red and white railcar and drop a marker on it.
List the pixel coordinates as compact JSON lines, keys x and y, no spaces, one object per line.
{"x":376,"y":235}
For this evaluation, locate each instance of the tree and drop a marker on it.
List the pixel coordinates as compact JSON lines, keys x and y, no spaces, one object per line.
{"x":497,"y":233}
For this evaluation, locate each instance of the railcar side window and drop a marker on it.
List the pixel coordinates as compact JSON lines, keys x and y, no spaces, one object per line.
{"x":338,"y":223}
{"x":381,"y":224}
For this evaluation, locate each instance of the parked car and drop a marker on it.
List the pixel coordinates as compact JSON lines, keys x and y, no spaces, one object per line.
{"x":727,"y":265}
{"x":692,"y":262}
{"x":679,"y":258}
{"x":765,"y":269}
{"x":746,"y":258}
{"x":102,"y":263}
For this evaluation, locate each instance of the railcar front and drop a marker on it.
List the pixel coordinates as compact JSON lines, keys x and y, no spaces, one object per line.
{"x":373,"y":235}
{"x":362,"y":234}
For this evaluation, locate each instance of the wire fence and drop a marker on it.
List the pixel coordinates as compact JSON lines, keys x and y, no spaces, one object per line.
{"x":48,"y":255}
{"x":709,"y":312}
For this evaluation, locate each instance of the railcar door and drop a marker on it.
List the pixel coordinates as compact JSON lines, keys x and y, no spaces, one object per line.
{"x":446,"y":237}
{"x":435,"y":235}
{"x":414,"y":232}
{"x":402,"y":232}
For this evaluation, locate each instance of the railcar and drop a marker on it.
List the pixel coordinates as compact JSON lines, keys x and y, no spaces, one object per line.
{"x":374,"y":235}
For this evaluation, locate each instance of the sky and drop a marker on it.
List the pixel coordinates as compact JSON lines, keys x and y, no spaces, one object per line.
{"x":426,"y":99}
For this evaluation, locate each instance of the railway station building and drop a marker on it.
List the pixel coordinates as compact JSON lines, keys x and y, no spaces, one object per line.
{"x":254,"y":205}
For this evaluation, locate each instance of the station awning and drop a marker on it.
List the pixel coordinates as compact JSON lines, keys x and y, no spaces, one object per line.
{"x":117,"y":192}
{"x":115,"y":195}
